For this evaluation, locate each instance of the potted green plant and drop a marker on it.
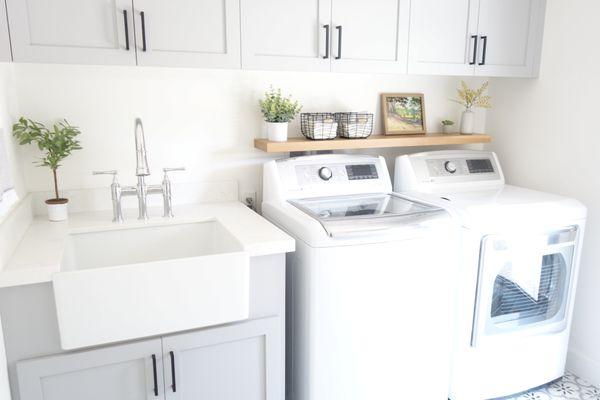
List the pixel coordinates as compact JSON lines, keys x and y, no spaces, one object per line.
{"x":56,"y":144}
{"x":278,"y":111}
{"x":470,"y":99}
{"x":447,"y":126}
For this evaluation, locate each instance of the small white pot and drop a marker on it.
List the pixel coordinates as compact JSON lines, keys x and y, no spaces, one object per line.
{"x":467,"y":122}
{"x":448,"y":129}
{"x":57,"y":210}
{"x":277,"y":131}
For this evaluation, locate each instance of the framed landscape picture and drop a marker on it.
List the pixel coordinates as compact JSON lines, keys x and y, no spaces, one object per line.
{"x":403,"y":113}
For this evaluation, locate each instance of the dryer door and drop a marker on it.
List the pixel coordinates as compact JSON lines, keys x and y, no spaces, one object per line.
{"x":524,"y":284}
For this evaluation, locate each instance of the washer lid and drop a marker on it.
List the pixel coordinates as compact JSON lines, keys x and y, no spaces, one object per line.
{"x":343,"y":215}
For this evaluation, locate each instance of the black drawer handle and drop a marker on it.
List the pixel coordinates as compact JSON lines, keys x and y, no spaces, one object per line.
{"x":326,"y":41}
{"x":339,"y":55}
{"x":154,"y":373}
{"x":474,"y":59}
{"x":483,"y":54}
{"x":173,"y":378}
{"x":143,"y":17}
{"x":125,"y":19}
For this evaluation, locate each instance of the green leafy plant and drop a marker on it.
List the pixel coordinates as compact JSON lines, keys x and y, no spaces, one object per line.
{"x":471,"y":98}
{"x":277,"y":108}
{"x":447,"y":122}
{"x":56,"y":144}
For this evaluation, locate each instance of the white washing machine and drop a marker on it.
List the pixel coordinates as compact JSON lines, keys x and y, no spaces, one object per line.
{"x":517,"y":274}
{"x":369,"y":293}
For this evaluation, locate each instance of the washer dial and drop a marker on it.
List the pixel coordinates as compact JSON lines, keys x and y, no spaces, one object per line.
{"x":450,"y":167}
{"x":325,"y":173}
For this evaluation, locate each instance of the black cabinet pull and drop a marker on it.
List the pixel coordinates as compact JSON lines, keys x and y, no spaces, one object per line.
{"x":326,"y":41}
{"x":173,"y":378}
{"x":155,"y":375}
{"x":339,"y":55}
{"x":143,"y":17}
{"x":126,"y":30}
{"x":483,"y":54}
{"x":474,"y":59}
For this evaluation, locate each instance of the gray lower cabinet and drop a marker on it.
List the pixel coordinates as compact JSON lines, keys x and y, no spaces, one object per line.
{"x":242,"y":361}
{"x":124,"y":372}
{"x":233,"y":362}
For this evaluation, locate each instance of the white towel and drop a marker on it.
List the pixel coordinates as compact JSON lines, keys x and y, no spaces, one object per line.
{"x":524,"y":255}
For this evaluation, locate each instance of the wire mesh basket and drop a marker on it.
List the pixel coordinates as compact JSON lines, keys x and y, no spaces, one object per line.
{"x":354,"y":125}
{"x":318,"y":126}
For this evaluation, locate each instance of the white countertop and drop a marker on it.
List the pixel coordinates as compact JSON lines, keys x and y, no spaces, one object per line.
{"x":38,"y":255}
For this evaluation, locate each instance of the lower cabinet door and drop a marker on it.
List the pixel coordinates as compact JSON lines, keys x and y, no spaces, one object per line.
{"x":127,"y":372}
{"x":235,"y":362}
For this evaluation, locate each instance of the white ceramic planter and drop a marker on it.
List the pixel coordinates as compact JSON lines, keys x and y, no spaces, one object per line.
{"x":448,"y":128}
{"x":467,"y":122}
{"x":57,"y":210}
{"x":277,"y":131}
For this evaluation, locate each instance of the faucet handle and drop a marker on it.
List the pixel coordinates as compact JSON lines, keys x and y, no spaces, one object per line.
{"x":112,"y":172}
{"x":173,"y":169}
{"x":167,"y":170}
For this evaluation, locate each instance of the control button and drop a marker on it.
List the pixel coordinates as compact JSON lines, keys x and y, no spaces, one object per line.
{"x":325,"y":173}
{"x":450,"y":167}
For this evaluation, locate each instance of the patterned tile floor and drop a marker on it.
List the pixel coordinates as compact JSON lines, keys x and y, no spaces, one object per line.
{"x":568,"y":387}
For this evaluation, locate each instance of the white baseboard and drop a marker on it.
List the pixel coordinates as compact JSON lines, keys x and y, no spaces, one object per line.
{"x":583,"y":366}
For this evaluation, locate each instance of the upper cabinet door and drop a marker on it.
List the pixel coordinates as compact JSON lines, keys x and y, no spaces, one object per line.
{"x":369,"y":36}
{"x":5,"y":53}
{"x":286,"y":34}
{"x":510,"y":36}
{"x":442,"y":37}
{"x":188,"y":33}
{"x":72,"y":31}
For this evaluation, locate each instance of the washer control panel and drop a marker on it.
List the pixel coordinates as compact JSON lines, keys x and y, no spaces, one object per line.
{"x":334,"y":173}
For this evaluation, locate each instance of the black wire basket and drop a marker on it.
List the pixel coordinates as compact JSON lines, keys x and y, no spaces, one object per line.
{"x":318,"y":126}
{"x":354,"y":125}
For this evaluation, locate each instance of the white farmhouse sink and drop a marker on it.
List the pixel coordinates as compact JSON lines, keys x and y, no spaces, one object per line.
{"x":130,"y":283}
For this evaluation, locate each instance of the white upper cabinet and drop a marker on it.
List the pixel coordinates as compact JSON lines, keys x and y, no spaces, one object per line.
{"x":5,"y":53}
{"x":325,"y":35}
{"x":510,"y":34}
{"x":286,"y":34}
{"x":72,"y":31}
{"x":188,"y":33}
{"x":369,"y":36}
{"x":442,"y":37}
{"x":476,"y":37}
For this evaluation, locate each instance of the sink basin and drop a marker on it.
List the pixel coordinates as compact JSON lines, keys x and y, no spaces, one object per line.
{"x":129,"y":283}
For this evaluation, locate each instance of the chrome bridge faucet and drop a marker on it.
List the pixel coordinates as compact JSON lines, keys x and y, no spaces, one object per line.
{"x":141,"y":190}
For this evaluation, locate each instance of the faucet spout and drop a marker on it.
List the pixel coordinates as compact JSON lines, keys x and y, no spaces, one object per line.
{"x":140,"y":150}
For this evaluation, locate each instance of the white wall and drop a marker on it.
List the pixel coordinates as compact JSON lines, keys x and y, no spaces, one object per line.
{"x":205,"y":120}
{"x":8,"y":106}
{"x":547,"y":134}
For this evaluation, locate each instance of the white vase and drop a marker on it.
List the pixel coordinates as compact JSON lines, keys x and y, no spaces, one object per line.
{"x":277,"y":131}
{"x":467,"y":122}
{"x":57,"y":209}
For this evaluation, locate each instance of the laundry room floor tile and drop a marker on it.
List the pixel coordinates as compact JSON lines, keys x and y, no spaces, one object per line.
{"x":569,"y":387}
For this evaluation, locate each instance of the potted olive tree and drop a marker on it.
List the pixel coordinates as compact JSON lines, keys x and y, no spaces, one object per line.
{"x":278,"y":111}
{"x":56,"y":144}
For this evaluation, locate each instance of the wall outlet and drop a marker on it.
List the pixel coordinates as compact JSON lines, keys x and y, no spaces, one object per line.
{"x":249,"y":199}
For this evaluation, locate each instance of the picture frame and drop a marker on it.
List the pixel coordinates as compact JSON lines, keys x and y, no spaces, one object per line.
{"x":403,"y":113}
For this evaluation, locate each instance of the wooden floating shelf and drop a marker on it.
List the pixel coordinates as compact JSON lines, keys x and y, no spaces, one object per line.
{"x":372,"y":142}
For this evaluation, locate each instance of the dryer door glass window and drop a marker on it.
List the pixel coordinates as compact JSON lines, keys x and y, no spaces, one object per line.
{"x":524,"y":281}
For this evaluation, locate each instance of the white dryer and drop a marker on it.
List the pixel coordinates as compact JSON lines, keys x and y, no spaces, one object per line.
{"x":369,"y":299}
{"x":517,"y":273}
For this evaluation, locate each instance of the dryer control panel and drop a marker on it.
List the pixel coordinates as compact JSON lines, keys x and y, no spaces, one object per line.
{"x":447,"y":170}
